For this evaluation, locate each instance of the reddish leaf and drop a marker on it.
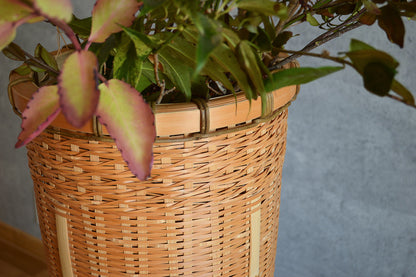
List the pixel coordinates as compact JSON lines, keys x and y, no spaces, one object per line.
{"x":368,"y":18}
{"x":39,"y":113}
{"x":78,"y":87}
{"x":7,"y":33}
{"x":108,"y":15}
{"x":59,"y":9}
{"x":391,"y":22}
{"x":130,"y":121}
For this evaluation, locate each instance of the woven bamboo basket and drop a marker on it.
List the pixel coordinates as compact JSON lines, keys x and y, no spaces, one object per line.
{"x":210,"y":208}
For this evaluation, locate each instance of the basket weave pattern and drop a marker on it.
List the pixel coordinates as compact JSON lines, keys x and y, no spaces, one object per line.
{"x":191,"y":218}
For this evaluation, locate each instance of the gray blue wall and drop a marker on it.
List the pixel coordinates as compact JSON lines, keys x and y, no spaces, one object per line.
{"x":349,"y":180}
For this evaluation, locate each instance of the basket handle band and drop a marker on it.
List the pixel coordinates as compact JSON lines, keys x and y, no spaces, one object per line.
{"x":204,"y":114}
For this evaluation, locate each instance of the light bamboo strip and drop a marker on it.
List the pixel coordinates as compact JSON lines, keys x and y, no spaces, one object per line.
{"x":255,"y":244}
{"x":63,"y":245}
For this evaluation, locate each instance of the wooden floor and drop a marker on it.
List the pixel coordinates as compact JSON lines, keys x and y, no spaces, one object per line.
{"x":21,"y":255}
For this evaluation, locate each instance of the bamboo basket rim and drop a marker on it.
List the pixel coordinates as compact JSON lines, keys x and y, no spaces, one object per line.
{"x":204,"y":118}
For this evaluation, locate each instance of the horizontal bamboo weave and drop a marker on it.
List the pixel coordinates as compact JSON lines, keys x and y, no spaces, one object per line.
{"x":191,"y":218}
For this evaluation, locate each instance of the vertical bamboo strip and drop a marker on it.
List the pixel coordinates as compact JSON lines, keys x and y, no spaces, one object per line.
{"x":255,"y":244}
{"x":63,"y":245}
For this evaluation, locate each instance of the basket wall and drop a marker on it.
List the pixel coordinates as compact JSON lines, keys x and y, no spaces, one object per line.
{"x":191,"y":218}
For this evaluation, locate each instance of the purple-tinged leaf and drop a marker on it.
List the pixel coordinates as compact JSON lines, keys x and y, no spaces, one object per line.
{"x":39,"y":113}
{"x":78,"y":87}
{"x":7,"y":33}
{"x":59,"y":9}
{"x":130,"y":121}
{"x":368,"y":18}
{"x":391,"y":22}
{"x":13,"y":10}
{"x":108,"y":15}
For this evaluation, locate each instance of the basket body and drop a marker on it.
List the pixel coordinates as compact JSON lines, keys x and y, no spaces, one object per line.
{"x":210,"y":208}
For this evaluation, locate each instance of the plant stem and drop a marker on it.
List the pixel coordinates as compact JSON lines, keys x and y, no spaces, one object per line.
{"x":163,"y":92}
{"x":68,"y":31}
{"x":101,"y":78}
{"x":155,"y":68}
{"x":64,"y":27}
{"x":346,"y":26}
{"x":322,"y":56}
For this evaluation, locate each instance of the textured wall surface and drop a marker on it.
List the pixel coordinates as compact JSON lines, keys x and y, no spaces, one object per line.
{"x":349,"y":182}
{"x":348,"y":203}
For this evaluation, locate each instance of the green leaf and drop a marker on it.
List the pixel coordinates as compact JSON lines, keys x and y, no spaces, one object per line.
{"x":378,"y":78}
{"x":13,"y":10}
{"x":312,"y":20}
{"x":320,"y":3}
{"x":297,"y":76}
{"x":187,"y":51}
{"x":403,"y":92}
{"x":209,"y":38}
{"x":226,"y":58}
{"x":82,"y":27}
{"x":266,"y":7}
{"x":40,"y":111}
{"x":178,"y":72}
{"x":7,"y":33}
{"x":47,"y":57}
{"x":127,"y":66}
{"x":356,"y":44}
{"x":144,"y":45}
{"x":371,"y":7}
{"x":150,"y":5}
{"x":59,"y":9}
{"x":104,"y":50}
{"x":248,"y":61}
{"x":360,"y":58}
{"x":269,"y":27}
{"x":108,"y":17}
{"x":14,"y":52}
{"x":231,"y":37}
{"x":392,"y":24}
{"x":23,"y":70}
{"x":130,"y":122}
{"x":78,"y":87}
{"x":34,"y":66}
{"x":262,"y":40}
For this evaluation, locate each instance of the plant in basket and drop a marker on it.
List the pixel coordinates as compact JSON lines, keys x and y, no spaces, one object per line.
{"x":131,"y":57}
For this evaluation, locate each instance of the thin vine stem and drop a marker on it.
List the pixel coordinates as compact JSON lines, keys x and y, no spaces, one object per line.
{"x":322,"y":56}
{"x":63,"y":26}
{"x":346,"y":26}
